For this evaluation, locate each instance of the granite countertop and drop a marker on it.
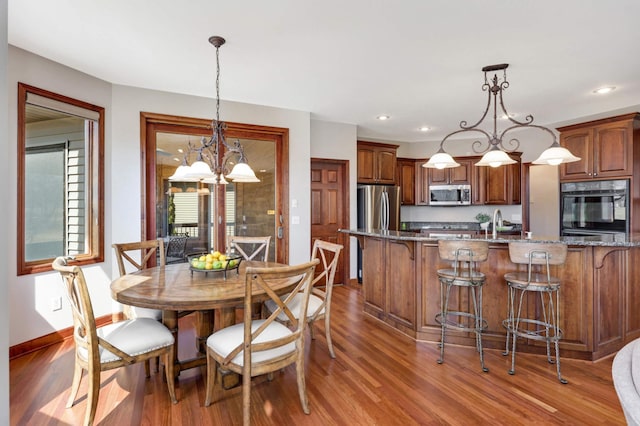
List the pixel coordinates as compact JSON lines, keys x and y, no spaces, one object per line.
{"x":630,"y":240}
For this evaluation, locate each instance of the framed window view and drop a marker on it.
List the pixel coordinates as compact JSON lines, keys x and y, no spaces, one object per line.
{"x":60,"y":180}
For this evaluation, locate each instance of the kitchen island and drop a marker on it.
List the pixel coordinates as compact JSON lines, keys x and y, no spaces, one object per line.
{"x":599,"y":296}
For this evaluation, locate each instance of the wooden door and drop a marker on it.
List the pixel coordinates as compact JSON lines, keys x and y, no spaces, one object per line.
{"x":330,"y":208}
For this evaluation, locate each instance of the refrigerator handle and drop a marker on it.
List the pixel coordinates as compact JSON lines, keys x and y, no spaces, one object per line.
{"x":385,"y":211}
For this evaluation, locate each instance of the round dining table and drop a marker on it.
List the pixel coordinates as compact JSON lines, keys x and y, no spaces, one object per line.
{"x":177,"y":288}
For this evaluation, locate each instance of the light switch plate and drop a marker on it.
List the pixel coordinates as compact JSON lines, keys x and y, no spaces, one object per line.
{"x":295,"y":220}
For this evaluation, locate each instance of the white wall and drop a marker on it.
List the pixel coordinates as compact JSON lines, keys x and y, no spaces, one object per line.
{"x":4,"y":218}
{"x":339,"y":141}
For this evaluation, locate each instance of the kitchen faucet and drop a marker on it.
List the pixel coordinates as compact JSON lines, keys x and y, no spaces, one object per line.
{"x":497,"y":222}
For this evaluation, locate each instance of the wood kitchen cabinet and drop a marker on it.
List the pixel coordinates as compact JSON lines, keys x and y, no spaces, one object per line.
{"x":455,"y":176}
{"x":498,"y":185}
{"x":605,"y":147}
{"x":406,"y":169}
{"x":425,"y":177}
{"x":388,"y":281}
{"x":376,"y":163}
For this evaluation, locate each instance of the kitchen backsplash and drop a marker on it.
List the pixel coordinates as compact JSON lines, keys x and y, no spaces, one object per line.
{"x":511,"y":213}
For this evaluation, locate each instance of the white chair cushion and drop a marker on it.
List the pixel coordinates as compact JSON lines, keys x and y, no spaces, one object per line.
{"x":137,"y":312}
{"x":294,"y":305}
{"x":626,"y":379}
{"x":224,"y":341}
{"x":135,"y":337}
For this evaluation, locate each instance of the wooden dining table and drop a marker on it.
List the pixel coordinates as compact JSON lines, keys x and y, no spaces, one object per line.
{"x":177,"y":288}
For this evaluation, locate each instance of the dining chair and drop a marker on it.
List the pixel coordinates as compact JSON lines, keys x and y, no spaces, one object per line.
{"x":320,"y":300}
{"x":256,"y":347}
{"x":176,"y":249}
{"x":251,"y":247}
{"x":111,"y":346}
{"x":127,"y":257}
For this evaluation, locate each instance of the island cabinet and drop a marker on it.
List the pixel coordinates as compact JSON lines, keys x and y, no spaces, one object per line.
{"x":598,"y":294}
{"x":605,"y":147}
{"x":376,"y":163}
{"x":388,"y":282}
{"x":406,"y":169}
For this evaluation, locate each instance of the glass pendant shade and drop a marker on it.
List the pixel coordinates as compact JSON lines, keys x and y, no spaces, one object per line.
{"x":242,"y":173}
{"x":441,"y":160}
{"x":180,"y":175}
{"x":200,"y":170}
{"x":495,"y":158}
{"x":555,"y":155}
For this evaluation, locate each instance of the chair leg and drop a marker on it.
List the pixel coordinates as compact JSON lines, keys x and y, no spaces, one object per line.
{"x":516,"y":325}
{"x":246,"y":397}
{"x":147,"y":368}
{"x":302,"y":390}
{"x":75,"y":385}
{"x":92,"y":394}
{"x":212,"y":375}
{"x":443,"y":316}
{"x":477,"y":309}
{"x":157,"y":364}
{"x":169,"y":371}
{"x":327,"y":328}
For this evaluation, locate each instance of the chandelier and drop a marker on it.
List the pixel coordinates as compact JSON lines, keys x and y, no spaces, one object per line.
{"x":495,"y":152}
{"x":213,"y":154}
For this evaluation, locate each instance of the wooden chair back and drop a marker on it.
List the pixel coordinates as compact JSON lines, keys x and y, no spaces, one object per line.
{"x":251,"y":247}
{"x":463,"y":250}
{"x":150,"y":249}
{"x":538,"y":253}
{"x":328,"y":254}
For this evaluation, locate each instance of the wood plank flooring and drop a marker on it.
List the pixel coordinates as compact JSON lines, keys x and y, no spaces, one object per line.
{"x":380,"y":377}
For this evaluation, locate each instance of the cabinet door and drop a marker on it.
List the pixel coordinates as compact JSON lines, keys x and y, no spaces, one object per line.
{"x":406,"y":180}
{"x":502,"y":184}
{"x":478,"y":185}
{"x":579,"y":143}
{"x":401,"y":283}
{"x":386,"y":166}
{"x":461,"y":175}
{"x":422,"y":184}
{"x":373,"y":275}
{"x":612,"y":150}
{"x":438,"y":176}
{"x":366,"y":164}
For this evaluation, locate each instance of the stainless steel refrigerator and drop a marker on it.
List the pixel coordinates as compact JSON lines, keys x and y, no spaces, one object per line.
{"x":378,"y":209}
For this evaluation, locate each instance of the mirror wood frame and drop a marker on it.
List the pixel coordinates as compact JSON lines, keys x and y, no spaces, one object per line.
{"x":94,"y":173}
{"x":154,"y":122}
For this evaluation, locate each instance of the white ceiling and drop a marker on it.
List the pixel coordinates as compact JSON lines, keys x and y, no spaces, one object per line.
{"x":349,"y":61}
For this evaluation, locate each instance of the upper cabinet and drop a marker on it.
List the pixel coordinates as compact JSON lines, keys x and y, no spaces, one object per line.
{"x":502,"y":184}
{"x":455,"y":176}
{"x":606,"y":148}
{"x":376,"y":163}
{"x":406,"y":169}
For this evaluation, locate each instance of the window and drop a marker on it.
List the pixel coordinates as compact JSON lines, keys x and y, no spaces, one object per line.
{"x":60,"y":180}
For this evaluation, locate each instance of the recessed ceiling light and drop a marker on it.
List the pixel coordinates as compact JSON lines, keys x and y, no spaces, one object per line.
{"x":603,"y":90}
{"x":180,"y":150}
{"x":504,"y":116}
{"x":383,"y":117}
{"x":424,"y":129}
{"x":176,"y":159}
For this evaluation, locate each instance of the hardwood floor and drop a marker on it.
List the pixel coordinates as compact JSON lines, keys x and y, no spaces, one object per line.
{"x":379,"y":377}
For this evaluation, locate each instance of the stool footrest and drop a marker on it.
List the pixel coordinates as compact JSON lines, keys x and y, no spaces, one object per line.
{"x":537,"y":334}
{"x":457,"y":323}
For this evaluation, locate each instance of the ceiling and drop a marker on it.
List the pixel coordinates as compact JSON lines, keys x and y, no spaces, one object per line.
{"x":350,"y":61}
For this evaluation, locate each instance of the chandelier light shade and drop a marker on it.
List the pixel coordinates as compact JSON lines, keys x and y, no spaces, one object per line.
{"x":214,"y":153}
{"x":494,"y":149}
{"x":441,"y":160}
{"x":555,"y":155}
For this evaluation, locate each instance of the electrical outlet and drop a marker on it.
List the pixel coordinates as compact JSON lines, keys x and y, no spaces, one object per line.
{"x":55,"y":303}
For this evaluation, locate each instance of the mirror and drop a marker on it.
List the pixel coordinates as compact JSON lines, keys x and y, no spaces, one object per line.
{"x":60,"y":180}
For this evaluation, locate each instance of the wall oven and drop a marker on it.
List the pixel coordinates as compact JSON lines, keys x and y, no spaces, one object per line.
{"x":450,"y":195}
{"x":594,"y":208}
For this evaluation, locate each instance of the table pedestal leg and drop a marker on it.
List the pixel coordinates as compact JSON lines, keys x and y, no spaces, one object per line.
{"x":204,"y":328}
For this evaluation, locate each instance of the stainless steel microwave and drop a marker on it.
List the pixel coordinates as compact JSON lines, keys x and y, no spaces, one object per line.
{"x":450,"y":195}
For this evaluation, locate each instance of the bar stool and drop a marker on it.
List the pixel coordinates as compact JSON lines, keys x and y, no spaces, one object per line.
{"x":464,"y":255}
{"x":543,"y":323}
